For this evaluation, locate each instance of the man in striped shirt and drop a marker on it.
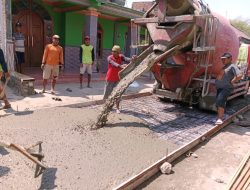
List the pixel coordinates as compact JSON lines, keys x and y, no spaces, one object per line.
{"x":19,"y":39}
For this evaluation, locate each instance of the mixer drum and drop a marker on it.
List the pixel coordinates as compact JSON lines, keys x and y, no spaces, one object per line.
{"x":178,"y":7}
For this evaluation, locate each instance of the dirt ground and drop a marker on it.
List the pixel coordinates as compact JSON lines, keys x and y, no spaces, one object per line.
{"x":76,"y":157}
{"x":218,"y":160}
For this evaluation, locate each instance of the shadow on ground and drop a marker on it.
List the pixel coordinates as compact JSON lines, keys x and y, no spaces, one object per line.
{"x":48,"y":179}
{"x":4,"y":171}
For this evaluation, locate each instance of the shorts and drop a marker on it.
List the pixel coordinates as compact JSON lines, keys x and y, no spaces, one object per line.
{"x":86,"y":67}
{"x":222,"y":95}
{"x":20,"y":57}
{"x":50,"y":70}
{"x":109,"y":86}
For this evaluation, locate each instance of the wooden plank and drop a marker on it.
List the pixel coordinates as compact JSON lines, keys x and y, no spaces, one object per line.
{"x":143,"y":176}
{"x":234,"y":181}
{"x":243,"y":179}
{"x":238,"y":181}
{"x":246,"y":185}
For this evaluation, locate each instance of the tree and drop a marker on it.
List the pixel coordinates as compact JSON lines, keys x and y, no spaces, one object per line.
{"x":242,"y":25}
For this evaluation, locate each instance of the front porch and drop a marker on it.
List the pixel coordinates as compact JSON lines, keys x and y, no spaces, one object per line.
{"x":66,"y":76}
{"x":106,"y":23}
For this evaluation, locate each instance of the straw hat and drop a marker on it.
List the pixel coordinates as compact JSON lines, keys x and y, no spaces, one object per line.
{"x":116,"y":48}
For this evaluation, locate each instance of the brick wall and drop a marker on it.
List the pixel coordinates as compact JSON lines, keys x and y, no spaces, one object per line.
{"x":72,"y":59}
{"x":71,"y":55}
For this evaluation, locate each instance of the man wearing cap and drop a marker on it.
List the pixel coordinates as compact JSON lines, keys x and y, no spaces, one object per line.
{"x":224,"y":83}
{"x":4,"y":73}
{"x":115,"y":64}
{"x":87,"y":57}
{"x":52,"y":59}
{"x":19,"y":38}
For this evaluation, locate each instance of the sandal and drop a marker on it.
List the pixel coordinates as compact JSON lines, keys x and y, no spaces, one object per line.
{"x":57,"y":99}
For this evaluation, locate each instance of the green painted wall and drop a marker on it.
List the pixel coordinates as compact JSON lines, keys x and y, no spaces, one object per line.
{"x":120,"y":35}
{"x":108,"y":33}
{"x":74,"y":27}
{"x":70,"y":27}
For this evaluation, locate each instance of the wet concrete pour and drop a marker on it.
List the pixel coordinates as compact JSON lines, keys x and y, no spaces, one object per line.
{"x":173,"y":122}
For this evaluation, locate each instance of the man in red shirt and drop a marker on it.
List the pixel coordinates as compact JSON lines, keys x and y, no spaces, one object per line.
{"x":115,"y":64}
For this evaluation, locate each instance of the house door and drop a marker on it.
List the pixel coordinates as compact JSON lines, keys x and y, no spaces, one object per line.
{"x":32,"y":27}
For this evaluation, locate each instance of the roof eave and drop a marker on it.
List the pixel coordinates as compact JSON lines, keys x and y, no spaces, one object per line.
{"x":80,"y":2}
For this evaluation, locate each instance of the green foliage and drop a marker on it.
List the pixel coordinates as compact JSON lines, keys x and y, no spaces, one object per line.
{"x":242,"y":25}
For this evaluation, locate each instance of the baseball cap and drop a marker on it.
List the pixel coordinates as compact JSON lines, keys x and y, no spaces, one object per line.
{"x":56,"y":36}
{"x":226,"y":55}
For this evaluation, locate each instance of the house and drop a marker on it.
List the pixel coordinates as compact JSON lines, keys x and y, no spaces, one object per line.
{"x":143,"y":6}
{"x":106,"y":22}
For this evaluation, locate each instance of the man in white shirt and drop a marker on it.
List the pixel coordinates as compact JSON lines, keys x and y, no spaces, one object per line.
{"x":19,"y":39}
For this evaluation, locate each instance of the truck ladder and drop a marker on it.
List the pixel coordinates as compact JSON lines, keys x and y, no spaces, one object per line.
{"x":204,"y":43}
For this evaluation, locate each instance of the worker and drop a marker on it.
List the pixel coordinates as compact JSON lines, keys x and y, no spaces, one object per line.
{"x":52,"y":60}
{"x":87,"y":57}
{"x":4,"y":76}
{"x":19,"y":46}
{"x":115,"y":64}
{"x":224,"y":83}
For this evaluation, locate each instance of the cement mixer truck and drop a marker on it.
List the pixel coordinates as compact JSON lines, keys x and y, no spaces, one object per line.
{"x":187,"y":41}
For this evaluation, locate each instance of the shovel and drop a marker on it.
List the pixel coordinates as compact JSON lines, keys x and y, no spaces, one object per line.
{"x":30,"y":153}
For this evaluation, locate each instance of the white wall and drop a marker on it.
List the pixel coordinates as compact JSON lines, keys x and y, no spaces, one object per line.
{"x":3,"y":26}
{"x":6,"y":45}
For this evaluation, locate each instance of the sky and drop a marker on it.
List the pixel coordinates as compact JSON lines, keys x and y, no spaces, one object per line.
{"x":231,"y":9}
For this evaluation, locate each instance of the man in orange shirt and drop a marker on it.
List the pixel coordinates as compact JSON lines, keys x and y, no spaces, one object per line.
{"x":52,"y":59}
